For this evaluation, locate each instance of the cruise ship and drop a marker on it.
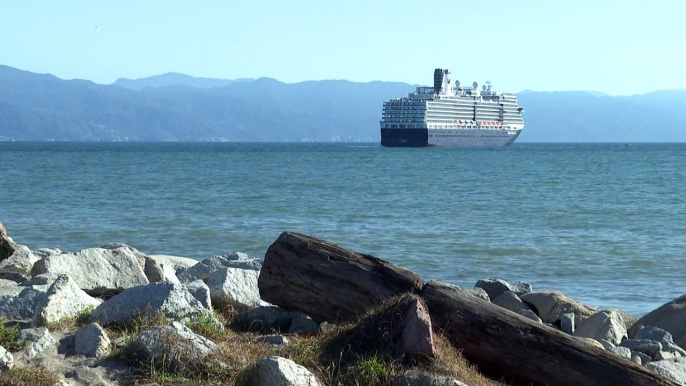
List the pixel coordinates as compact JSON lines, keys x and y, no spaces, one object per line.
{"x":458,"y":116}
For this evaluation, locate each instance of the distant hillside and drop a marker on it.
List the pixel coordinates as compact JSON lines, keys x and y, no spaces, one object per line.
{"x":43,"y":107}
{"x":174,"y":79}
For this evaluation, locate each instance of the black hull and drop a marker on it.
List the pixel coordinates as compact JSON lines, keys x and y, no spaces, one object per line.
{"x":404,"y":137}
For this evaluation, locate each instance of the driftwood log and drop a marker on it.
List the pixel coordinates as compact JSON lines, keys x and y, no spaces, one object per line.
{"x":326,"y":282}
{"x":505,"y":344}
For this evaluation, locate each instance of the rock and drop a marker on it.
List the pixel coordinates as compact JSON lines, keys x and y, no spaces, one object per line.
{"x":550,"y":305}
{"x":170,"y":299}
{"x":42,"y":253}
{"x":98,"y":271}
{"x":494,"y":287}
{"x":176,"y":347}
{"x":92,"y":341}
{"x":236,"y":286}
{"x":200,"y":291}
{"x":424,"y":379}
{"x":277,"y":371}
{"x":478,"y":292}
{"x":17,"y":278}
{"x":169,"y":273}
{"x":203,"y":269}
{"x":6,"y":245}
{"x":666,"y":356}
{"x":21,"y":261}
{"x":670,"y":317}
{"x":6,"y":359}
{"x":648,"y":347}
{"x":3,"y":231}
{"x":653,"y":333}
{"x":272,"y":318}
{"x":640,"y":358}
{"x":153,"y":271}
{"x":593,"y":342}
{"x":521,"y":288}
{"x":531,"y":315}
{"x":567,"y":324}
{"x":42,"y":279}
{"x":177,"y":262}
{"x":64,"y":299}
{"x":510,"y":301}
{"x":36,"y":340}
{"x":672,"y":370}
{"x":7,"y":283}
{"x":609,"y":346}
{"x":274,"y":340}
{"x":621,"y":351}
{"x":417,"y":336}
{"x":20,"y":303}
{"x":607,"y":325}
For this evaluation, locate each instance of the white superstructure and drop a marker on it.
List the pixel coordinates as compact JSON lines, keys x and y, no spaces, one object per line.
{"x":452,"y":116}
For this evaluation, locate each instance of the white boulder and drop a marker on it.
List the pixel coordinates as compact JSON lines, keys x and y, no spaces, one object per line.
{"x":604,"y":325}
{"x":278,"y":371}
{"x":92,"y":341}
{"x":236,"y":286}
{"x":64,"y":299}
{"x":550,"y":305}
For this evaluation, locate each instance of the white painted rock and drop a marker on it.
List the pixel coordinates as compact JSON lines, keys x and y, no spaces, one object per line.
{"x":604,"y":325}
{"x":205,"y":268}
{"x":278,"y":371}
{"x":63,"y":300}
{"x":92,"y":341}
{"x":36,"y":340}
{"x":237,"y":286}
{"x":550,"y":305}
{"x":175,"y":346}
{"x":171,"y":299}
{"x":21,"y":261}
{"x":98,"y":271}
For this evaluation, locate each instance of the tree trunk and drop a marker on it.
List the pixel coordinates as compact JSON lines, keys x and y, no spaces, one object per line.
{"x":327,"y":282}
{"x":505,"y":344}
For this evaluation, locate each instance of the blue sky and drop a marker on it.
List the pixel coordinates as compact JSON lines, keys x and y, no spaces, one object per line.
{"x":617,"y":47}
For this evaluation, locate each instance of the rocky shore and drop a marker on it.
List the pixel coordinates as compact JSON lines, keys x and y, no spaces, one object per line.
{"x":309,"y":313}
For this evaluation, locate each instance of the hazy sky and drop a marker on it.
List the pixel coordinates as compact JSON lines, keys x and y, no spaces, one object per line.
{"x":618,"y":47}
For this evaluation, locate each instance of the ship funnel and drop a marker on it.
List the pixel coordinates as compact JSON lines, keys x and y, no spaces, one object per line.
{"x":439,"y":76}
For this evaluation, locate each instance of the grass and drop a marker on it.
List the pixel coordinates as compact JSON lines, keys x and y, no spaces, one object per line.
{"x":28,"y":376}
{"x":362,"y":354}
{"x":9,"y":336}
{"x":72,"y":323}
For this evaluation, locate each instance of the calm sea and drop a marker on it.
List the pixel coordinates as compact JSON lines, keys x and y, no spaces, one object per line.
{"x":603,"y":223}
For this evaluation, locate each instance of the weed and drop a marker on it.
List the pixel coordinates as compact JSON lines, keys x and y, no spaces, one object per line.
{"x":203,"y":323}
{"x":9,"y":336}
{"x":29,"y":376}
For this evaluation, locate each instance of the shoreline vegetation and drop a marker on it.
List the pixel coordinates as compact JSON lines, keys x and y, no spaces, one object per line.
{"x":309,"y":313}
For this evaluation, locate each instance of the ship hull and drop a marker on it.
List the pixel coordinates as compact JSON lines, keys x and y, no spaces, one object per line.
{"x":466,"y":138}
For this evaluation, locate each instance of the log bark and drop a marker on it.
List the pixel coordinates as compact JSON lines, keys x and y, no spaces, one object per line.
{"x":326,"y":282}
{"x":504,"y":344}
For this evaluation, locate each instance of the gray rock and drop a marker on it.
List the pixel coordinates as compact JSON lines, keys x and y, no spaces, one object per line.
{"x":8,"y":283}
{"x":20,"y":303}
{"x":171,"y":299}
{"x":669,"y":317}
{"x":653,"y":333}
{"x":36,"y":340}
{"x":21,"y":261}
{"x":236,"y":286}
{"x":623,"y":352}
{"x":666,"y":356}
{"x":531,"y":315}
{"x":550,"y":305}
{"x":177,"y":262}
{"x":169,"y":273}
{"x":205,"y":268}
{"x":42,"y":279}
{"x":200,"y":291}
{"x":301,"y":324}
{"x":567,"y":324}
{"x":175,"y":347}
{"x":6,"y":359}
{"x":152,"y":270}
{"x":17,"y":278}
{"x":494,"y":287}
{"x":640,"y":358}
{"x":424,"y":379}
{"x":477,"y":292}
{"x":92,"y":341}
{"x":42,"y":253}
{"x":593,"y":342}
{"x":277,"y":371}
{"x":607,"y":344}
{"x":648,"y":347}
{"x":64,"y":299}
{"x":671,"y":370}
{"x":510,"y":301}
{"x":521,"y":288}
{"x":98,"y":271}
{"x":607,"y":325}
{"x":274,"y":340}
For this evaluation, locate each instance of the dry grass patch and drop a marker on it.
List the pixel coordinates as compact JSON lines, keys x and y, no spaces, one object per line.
{"x":28,"y":376}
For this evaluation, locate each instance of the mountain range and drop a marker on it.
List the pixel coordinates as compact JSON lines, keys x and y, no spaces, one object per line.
{"x":177,"y":107}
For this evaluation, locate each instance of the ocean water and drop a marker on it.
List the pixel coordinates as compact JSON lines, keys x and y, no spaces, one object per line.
{"x":603,"y":223}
